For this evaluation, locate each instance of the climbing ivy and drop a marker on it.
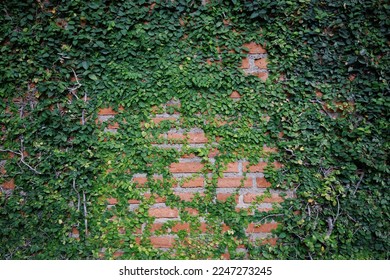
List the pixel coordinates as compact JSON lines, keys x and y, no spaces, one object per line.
{"x":324,"y":107}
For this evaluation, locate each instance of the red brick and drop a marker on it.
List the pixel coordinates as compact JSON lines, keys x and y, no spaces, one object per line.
{"x":112,"y":201}
{"x":106,"y":112}
{"x":186,"y":167}
{"x":117,"y":254}
{"x":232,"y":167}
{"x":234,"y":182}
{"x":254,"y":48}
{"x":197,"y":137}
{"x":187,"y":196}
{"x":262,"y":183}
{"x":261,"y":63}
{"x":235,"y":94}
{"x":156,"y":226}
{"x":9,"y":185}
{"x":140,"y":180}
{"x":225,"y":228}
{"x":270,"y":241}
{"x":165,"y":212}
{"x":203,"y":227}
{"x":254,"y":168}
{"x":181,"y":226}
{"x":194,"y":183}
{"x":262,"y":75}
{"x":252,"y":228}
{"x":245,"y":63}
{"x":213,"y":153}
{"x":75,"y":233}
{"x":269,"y":150}
{"x":251,"y":197}
{"x":192,"y":211}
{"x":224,"y":196}
{"x":162,"y":241}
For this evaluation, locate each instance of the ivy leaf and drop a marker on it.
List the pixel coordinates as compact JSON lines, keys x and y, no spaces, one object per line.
{"x":85,"y":65}
{"x":93,"y":77}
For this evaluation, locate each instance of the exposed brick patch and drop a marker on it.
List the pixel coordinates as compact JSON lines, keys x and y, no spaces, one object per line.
{"x":108,"y":111}
{"x":245,"y":63}
{"x":140,"y":180}
{"x":265,"y":228}
{"x":162,"y":241}
{"x":224,"y":196}
{"x":254,"y":168}
{"x":235,"y":182}
{"x":255,"y":63}
{"x":9,"y":185}
{"x":232,"y":167}
{"x":262,"y":183}
{"x":255,"y":48}
{"x":261,"y":63}
{"x":112,"y":201}
{"x":187,"y":196}
{"x":235,"y":95}
{"x":164,"y":212}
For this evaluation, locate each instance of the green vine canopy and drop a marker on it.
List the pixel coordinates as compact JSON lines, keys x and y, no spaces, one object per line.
{"x":76,"y":184}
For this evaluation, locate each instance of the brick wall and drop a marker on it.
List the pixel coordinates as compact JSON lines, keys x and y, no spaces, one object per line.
{"x":245,"y":182}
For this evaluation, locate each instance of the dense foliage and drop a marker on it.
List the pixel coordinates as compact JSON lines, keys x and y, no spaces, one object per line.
{"x":326,"y":99}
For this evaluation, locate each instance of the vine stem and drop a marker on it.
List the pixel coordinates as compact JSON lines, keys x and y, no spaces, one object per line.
{"x":21,"y":159}
{"x":85,"y":214}
{"x":358,"y":183}
{"x":78,"y":194}
{"x":271,"y":215}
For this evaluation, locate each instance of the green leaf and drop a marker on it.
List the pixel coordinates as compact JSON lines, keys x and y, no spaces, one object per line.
{"x":93,"y":77}
{"x":85,"y":65}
